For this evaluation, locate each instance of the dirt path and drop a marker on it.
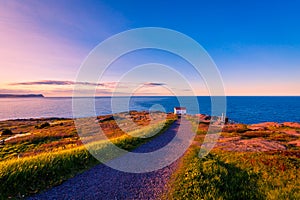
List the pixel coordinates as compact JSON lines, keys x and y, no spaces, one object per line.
{"x":102,"y":182}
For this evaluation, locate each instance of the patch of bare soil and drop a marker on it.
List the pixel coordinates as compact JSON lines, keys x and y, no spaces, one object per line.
{"x":291,"y":132}
{"x":295,"y":143}
{"x":248,"y":145}
{"x":264,"y":126}
{"x":292,"y":124}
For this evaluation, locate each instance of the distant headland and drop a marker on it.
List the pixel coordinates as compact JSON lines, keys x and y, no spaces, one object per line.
{"x":21,"y":96}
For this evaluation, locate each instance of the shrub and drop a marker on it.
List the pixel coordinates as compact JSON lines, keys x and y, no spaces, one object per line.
{"x":43,"y":125}
{"x":238,"y":128}
{"x":254,"y":134}
{"x":7,"y":132}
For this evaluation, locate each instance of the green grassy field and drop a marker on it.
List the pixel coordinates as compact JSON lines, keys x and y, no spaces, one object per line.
{"x":224,"y":175}
{"x":245,"y":163}
{"x":236,"y":170}
{"x":54,"y":163}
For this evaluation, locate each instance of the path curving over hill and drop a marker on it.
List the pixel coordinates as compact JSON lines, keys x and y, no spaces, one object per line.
{"x":102,"y":182}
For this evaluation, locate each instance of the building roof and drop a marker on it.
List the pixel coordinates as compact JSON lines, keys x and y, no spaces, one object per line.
{"x":180,"y":108}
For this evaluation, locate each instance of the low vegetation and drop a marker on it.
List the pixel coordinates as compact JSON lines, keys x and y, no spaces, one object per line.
{"x":236,"y":175}
{"x":43,"y":125}
{"x":53,"y":154}
{"x":6,"y":132}
{"x":246,"y":163}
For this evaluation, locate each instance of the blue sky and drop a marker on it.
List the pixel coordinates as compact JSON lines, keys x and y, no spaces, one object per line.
{"x":255,"y":44}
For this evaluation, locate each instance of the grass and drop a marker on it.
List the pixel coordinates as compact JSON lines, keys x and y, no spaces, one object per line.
{"x":62,"y":133}
{"x":238,"y":175}
{"x":233,"y":175}
{"x":28,"y":175}
{"x":54,"y":153}
{"x":211,"y":178}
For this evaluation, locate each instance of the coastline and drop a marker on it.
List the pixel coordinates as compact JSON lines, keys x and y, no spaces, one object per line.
{"x":247,"y":110}
{"x":202,"y":117}
{"x":238,"y":129}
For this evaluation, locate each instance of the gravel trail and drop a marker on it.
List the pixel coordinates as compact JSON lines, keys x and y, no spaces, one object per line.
{"x":102,"y":182}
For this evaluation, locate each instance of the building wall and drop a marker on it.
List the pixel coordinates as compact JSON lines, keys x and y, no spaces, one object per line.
{"x":179,"y":112}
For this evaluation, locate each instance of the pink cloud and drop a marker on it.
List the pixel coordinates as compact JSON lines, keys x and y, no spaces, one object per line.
{"x":55,"y":82}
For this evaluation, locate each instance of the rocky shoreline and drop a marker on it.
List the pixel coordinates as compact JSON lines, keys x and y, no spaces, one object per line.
{"x":261,"y":137}
{"x":267,"y":136}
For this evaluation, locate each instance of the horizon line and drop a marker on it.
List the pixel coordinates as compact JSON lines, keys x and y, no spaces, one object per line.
{"x":174,"y":96}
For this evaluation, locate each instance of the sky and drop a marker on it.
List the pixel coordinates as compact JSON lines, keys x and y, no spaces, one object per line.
{"x":254,"y":44}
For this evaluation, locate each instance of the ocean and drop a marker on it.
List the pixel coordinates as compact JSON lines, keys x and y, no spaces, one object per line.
{"x":248,"y":110}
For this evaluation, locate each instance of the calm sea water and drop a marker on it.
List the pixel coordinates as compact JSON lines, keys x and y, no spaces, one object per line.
{"x":240,"y":109}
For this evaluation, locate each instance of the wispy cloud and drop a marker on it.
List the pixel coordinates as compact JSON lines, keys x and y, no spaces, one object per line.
{"x":66,"y":88}
{"x":107,"y":85}
{"x":153,"y":84}
{"x":55,"y":82}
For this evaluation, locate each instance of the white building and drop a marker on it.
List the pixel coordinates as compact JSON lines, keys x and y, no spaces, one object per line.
{"x":179,"y":110}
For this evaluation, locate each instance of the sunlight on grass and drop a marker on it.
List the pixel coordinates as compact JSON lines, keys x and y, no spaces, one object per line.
{"x":235,"y":175}
{"x":29,"y":175}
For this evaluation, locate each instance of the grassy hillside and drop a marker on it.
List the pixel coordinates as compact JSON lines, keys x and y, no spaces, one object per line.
{"x":248,"y":162}
{"x":53,"y":153}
